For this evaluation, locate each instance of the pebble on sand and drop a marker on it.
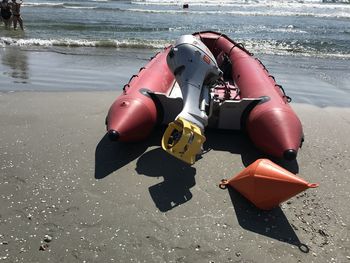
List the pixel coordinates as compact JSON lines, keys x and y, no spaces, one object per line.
{"x":47,"y":238}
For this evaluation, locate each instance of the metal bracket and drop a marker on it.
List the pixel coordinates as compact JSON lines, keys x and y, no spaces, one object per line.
{"x":168,"y":106}
{"x":226,"y":114}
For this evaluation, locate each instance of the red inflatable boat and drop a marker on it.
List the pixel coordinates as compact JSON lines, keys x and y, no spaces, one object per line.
{"x":134,"y":114}
{"x":245,"y":97}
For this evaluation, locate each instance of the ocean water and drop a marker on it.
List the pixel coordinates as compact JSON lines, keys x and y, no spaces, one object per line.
{"x":302,"y":28}
{"x":99,"y":44}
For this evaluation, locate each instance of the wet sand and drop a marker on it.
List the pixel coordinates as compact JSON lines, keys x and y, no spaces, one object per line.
{"x":67,"y":69}
{"x":109,"y":202}
{"x":316,"y":81}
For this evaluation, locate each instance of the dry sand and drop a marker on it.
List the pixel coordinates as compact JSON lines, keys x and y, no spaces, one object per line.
{"x":94,"y":201}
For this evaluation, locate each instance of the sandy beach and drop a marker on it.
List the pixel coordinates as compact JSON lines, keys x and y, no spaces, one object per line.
{"x":68,"y":194}
{"x":94,"y":201}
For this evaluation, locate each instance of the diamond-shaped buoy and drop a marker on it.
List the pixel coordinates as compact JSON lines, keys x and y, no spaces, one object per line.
{"x":267,"y":184}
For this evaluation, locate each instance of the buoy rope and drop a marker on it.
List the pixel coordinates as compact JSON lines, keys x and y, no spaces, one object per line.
{"x":223,"y":184}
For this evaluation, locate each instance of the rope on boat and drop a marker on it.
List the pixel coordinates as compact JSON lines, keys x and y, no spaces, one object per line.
{"x":133,"y":76}
{"x":216,"y":40}
{"x":289,"y":99}
{"x":285,"y":96}
{"x":229,"y":53}
{"x":154,"y":55}
{"x":262,"y":65}
{"x":200,"y":37}
{"x":125,"y":86}
{"x":128,"y":84}
{"x":136,"y":75}
{"x":241,"y":46}
{"x":228,"y":90}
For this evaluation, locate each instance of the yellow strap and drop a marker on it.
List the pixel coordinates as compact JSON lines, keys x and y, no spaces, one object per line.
{"x":183,"y":140}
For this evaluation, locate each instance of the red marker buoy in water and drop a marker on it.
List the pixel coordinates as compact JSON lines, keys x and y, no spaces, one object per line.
{"x":266,"y":184}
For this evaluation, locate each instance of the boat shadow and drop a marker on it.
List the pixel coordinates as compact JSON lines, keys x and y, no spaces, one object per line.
{"x":273,"y":224}
{"x":111,"y":156}
{"x":237,"y":142}
{"x":179,"y":178}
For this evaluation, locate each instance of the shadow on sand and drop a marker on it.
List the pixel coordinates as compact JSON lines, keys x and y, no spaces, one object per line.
{"x":111,"y":156}
{"x":237,"y":142}
{"x":272,"y":224}
{"x":173,"y":191}
{"x":179,"y":178}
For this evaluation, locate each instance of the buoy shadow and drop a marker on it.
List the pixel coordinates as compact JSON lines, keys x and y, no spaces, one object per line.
{"x":272,"y":224}
{"x":179,"y":177}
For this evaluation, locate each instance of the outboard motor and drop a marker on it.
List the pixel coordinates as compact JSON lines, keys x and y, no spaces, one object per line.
{"x":195,"y":70}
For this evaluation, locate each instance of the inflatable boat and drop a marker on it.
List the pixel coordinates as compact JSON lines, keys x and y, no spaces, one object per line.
{"x":205,"y":80}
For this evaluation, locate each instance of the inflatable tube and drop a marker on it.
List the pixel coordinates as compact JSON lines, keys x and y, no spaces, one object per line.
{"x":133,"y":114}
{"x":272,"y":124}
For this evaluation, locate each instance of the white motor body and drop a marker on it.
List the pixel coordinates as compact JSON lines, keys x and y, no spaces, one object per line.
{"x":195,"y":70}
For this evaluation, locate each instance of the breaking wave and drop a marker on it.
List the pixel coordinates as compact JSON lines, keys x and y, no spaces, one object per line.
{"x":142,"y":44}
{"x":47,"y":4}
{"x":270,"y":47}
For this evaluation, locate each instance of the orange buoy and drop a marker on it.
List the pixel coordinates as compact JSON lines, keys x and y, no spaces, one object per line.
{"x":267,"y":184}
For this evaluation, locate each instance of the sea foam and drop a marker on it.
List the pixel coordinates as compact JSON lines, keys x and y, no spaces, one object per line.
{"x":270,"y":47}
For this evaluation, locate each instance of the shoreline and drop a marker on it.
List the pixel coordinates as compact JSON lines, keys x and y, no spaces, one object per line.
{"x":320,"y":82}
{"x":105,"y":202}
